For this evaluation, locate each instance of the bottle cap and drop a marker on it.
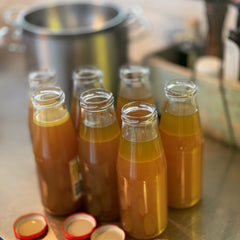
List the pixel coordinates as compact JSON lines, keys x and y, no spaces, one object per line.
{"x":109,"y":231}
{"x":30,"y":226}
{"x":78,"y":226}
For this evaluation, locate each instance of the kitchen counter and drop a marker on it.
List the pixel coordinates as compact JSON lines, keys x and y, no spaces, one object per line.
{"x":216,"y":216}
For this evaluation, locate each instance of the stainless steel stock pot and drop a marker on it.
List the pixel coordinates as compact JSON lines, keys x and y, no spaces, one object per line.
{"x":63,"y":36}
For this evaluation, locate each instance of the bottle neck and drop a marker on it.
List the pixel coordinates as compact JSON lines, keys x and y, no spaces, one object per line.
{"x":181,"y":98}
{"x":40,"y":79}
{"x":134,"y":77}
{"x":139,"y":122}
{"x":49,"y":106}
{"x":86,"y":77}
{"x":97,"y":108}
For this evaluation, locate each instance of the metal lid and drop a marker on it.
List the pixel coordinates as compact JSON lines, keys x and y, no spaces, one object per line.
{"x":71,"y":18}
{"x":109,"y":231}
{"x":30,"y":226}
{"x":78,"y":226}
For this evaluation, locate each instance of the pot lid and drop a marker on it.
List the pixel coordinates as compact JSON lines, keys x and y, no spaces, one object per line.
{"x":74,"y":18}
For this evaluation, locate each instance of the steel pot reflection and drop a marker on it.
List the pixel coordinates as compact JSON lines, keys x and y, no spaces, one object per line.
{"x":64,"y":36}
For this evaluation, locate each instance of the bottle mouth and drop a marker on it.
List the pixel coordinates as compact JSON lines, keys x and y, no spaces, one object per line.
{"x":133,"y":72}
{"x":48,"y":97}
{"x":87,"y":73}
{"x":180,"y":89}
{"x":41,"y":78}
{"x":139,"y":112}
{"x":96,"y":99}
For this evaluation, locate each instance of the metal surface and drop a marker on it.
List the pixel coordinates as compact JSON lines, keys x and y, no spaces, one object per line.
{"x":217,"y":216}
{"x":65,"y":36}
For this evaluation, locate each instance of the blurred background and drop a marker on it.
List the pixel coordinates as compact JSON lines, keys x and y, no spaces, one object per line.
{"x":167,"y":19}
{"x":167,"y":24}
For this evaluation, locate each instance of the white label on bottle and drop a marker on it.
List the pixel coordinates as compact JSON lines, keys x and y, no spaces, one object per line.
{"x":76,"y":178}
{"x":231,"y":60}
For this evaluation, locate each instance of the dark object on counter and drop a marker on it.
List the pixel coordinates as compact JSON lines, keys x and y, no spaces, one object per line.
{"x":192,"y":46}
{"x":216,"y":12}
{"x":234,"y":36}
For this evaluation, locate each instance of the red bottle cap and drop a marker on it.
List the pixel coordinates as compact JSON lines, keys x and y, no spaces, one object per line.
{"x":30,"y":226}
{"x":78,"y":226}
{"x":109,"y":231}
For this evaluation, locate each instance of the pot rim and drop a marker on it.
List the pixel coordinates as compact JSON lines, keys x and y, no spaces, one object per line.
{"x":122,"y":15}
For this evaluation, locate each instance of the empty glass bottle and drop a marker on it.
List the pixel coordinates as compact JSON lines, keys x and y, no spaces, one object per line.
{"x":182,"y":138}
{"x":56,"y":153}
{"x":36,"y":80}
{"x":134,"y":86}
{"x":142,"y":173}
{"x":98,"y":149}
{"x":84,"y":78}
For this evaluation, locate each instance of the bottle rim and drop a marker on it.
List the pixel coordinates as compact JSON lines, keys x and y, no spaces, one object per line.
{"x":96,"y":99}
{"x":41,"y":78}
{"x":149,"y":113}
{"x":48,"y":97}
{"x":180,"y":89}
{"x":130,"y":72}
{"x":87,"y":73}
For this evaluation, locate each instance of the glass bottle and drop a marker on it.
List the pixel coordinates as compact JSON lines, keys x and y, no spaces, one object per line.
{"x":98,"y":148}
{"x":56,"y":153}
{"x":134,"y":86}
{"x":36,"y":80}
{"x":182,"y":138}
{"x":84,"y":78}
{"x":142,"y":172}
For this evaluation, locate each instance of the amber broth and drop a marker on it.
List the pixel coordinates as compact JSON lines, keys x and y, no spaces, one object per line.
{"x":98,"y":148}
{"x":129,"y":95}
{"x":76,"y":113}
{"x":141,"y":169}
{"x":183,"y":141}
{"x":55,"y":145}
{"x":30,"y":117}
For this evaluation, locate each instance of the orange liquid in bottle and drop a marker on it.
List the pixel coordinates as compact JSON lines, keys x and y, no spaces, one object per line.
{"x":98,"y":148}
{"x":55,"y":149}
{"x":183,"y":142}
{"x":142,"y":188}
{"x":76,"y":113}
{"x":30,"y":117}
{"x":130,"y":95}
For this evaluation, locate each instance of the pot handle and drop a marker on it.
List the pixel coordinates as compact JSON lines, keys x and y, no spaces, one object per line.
{"x":11,"y":34}
{"x":139,"y":26}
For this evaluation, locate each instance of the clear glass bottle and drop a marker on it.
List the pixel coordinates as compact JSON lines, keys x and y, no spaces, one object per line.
{"x":56,"y":152}
{"x":182,"y":138}
{"x":98,"y":149}
{"x":84,"y":78}
{"x":134,"y":86}
{"x":36,"y":80}
{"x":142,"y":172}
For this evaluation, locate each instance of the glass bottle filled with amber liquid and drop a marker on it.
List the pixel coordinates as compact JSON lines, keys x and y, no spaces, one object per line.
{"x":142,"y":172}
{"x":182,"y":138}
{"x":98,"y":148}
{"x":56,"y":153}
{"x":134,"y":86}
{"x":36,"y":80}
{"x":84,"y":78}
